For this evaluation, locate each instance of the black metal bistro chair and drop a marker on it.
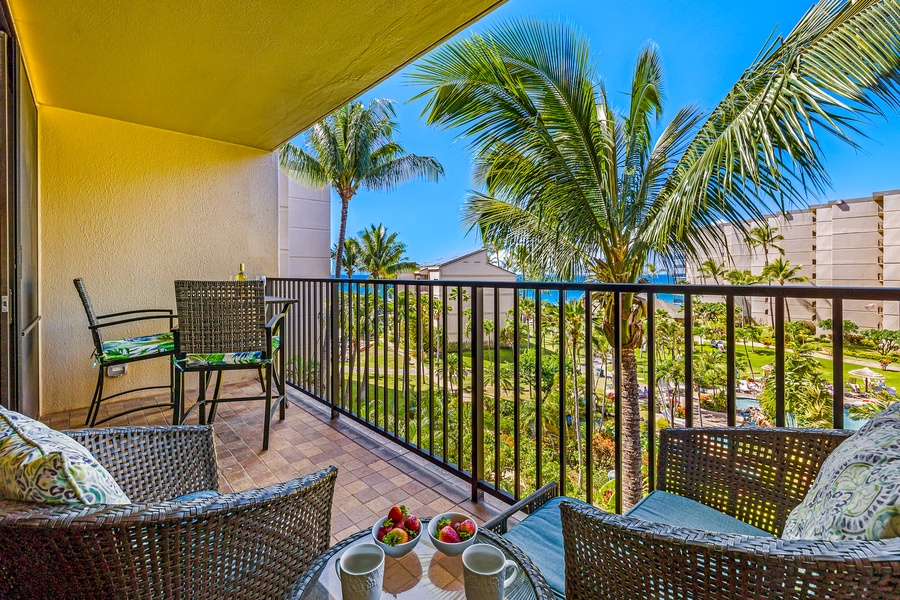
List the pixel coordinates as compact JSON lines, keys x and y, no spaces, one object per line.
{"x":119,"y":351}
{"x":222,"y":327}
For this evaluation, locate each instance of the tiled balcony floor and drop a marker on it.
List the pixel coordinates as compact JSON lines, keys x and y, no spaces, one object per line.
{"x":373,"y":473}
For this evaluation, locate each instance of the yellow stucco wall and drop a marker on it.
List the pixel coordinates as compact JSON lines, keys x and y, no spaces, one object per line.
{"x":130,"y":209}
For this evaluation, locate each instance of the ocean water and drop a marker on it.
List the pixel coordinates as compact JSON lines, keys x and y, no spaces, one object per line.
{"x":553,"y":295}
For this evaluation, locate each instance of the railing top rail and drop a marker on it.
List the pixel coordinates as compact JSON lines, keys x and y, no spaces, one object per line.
{"x":760,"y":291}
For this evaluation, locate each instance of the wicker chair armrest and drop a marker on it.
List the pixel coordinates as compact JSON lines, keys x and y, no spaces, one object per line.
{"x":612,"y":556}
{"x":169,"y":317}
{"x":755,"y":474}
{"x":528,"y":505}
{"x":167,"y":311}
{"x":154,"y":464}
{"x":250,"y":544}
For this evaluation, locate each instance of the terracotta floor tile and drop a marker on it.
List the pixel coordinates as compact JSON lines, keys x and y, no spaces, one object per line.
{"x":373,"y":473}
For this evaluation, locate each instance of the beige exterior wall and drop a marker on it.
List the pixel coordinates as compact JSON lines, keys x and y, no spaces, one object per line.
{"x":304,"y":226}
{"x":473,"y":267}
{"x":846,"y":243}
{"x":130,"y":209}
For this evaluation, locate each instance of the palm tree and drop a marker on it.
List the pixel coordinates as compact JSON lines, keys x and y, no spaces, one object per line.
{"x":713,"y":269}
{"x":588,"y":190}
{"x":354,"y":149}
{"x":350,"y":257}
{"x":765,"y":236}
{"x":782,"y":271}
{"x":381,"y":254}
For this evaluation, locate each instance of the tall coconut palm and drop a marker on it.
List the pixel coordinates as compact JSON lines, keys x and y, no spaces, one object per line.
{"x":588,"y":190}
{"x":712,"y":269}
{"x":381,"y":254}
{"x":350,"y":256}
{"x":765,"y":236}
{"x":782,"y":271}
{"x":354,"y":149}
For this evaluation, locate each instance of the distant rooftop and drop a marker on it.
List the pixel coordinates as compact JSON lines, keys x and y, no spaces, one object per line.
{"x":449,"y":258}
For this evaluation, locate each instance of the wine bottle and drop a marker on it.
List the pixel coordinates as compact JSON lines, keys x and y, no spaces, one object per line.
{"x":241,"y":276}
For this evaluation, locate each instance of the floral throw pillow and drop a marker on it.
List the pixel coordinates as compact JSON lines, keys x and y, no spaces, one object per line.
{"x":39,"y":464}
{"x":856,"y":495}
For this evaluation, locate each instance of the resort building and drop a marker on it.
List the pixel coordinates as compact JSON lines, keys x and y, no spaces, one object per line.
{"x":472,"y":265}
{"x":842,"y":243}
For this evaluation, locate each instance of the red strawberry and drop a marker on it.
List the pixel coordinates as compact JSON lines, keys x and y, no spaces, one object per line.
{"x":382,"y":531}
{"x":466,"y":529}
{"x":395,"y":537}
{"x":412,"y":523}
{"x":449,"y":535}
{"x":397,"y":513}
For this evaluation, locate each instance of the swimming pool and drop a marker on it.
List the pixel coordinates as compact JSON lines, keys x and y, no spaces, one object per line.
{"x":743,"y":403}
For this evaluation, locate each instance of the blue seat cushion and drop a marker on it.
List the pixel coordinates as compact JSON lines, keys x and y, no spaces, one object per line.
{"x":201,"y":495}
{"x":539,"y":535}
{"x":678,"y":511}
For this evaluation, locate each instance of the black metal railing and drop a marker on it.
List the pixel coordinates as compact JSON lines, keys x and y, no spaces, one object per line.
{"x":510,"y":385}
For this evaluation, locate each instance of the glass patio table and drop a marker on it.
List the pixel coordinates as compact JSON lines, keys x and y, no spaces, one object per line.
{"x":424,"y":573}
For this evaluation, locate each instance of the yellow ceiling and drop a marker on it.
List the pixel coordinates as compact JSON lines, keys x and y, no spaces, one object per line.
{"x":249,"y":72}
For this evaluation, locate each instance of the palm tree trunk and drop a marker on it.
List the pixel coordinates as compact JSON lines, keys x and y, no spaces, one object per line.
{"x":342,"y":234}
{"x":632,"y":479}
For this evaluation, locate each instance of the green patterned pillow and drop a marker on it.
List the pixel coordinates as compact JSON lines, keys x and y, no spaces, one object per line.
{"x":39,"y":464}
{"x":856,"y":495}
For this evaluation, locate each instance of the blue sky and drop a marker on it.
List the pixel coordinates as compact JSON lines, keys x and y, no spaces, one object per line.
{"x":705,"y":45}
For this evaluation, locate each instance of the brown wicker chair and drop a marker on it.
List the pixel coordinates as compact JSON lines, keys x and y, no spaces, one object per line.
{"x":117,"y":352}
{"x":248,"y":545}
{"x":756,"y":475}
{"x":222,"y":327}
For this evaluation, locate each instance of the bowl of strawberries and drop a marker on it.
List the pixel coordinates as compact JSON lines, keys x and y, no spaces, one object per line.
{"x":452,"y":532}
{"x":397,"y":534}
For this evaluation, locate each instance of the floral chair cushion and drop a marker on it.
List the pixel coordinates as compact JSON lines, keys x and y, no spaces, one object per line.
{"x":229,"y":358}
{"x":159,"y":343}
{"x":856,"y":495}
{"x":39,"y":464}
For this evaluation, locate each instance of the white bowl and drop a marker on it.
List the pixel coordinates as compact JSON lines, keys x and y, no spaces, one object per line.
{"x":399,"y":550}
{"x":447,"y":548}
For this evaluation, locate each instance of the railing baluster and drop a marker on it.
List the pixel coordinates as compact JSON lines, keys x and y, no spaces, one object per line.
{"x":459,"y":376}
{"x":588,"y":396}
{"x":406,"y":362}
{"x":430,"y":370}
{"x":387,"y":364}
{"x":730,"y":362}
{"x":517,"y":417}
{"x":561,"y":334}
{"x":334,"y":335}
{"x":617,"y":391}
{"x":375,"y":293}
{"x":496,"y":388}
{"x":396,"y":359}
{"x":419,"y":361}
{"x":367,"y":340}
{"x":651,"y":391}
{"x":477,"y":390}
{"x":779,"y":362}
{"x":539,"y":381}
{"x":445,"y":363}
{"x":837,"y":331}
{"x":688,"y":361}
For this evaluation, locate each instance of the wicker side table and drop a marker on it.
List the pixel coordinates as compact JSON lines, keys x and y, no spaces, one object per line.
{"x":423,"y":573}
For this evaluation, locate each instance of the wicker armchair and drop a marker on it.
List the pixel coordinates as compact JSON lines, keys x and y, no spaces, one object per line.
{"x":245,"y":545}
{"x":756,"y":475}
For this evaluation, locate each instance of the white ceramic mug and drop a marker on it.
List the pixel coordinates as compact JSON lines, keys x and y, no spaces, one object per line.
{"x":484,"y":569}
{"x":361,"y":571}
